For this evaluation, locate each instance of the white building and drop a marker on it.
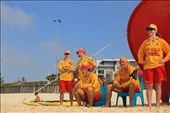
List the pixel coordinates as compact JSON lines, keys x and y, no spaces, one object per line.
{"x":106,"y":69}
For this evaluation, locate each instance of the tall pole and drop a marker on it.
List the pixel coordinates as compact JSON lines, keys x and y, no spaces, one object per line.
{"x":58,"y":22}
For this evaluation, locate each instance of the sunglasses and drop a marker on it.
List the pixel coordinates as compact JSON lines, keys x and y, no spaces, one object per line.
{"x":67,"y":54}
{"x":150,"y":29}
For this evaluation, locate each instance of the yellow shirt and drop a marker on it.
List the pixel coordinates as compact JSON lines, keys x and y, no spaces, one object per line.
{"x":67,"y":76}
{"x":90,"y":80}
{"x":123,"y":77}
{"x":84,"y":61}
{"x":152,"y":53}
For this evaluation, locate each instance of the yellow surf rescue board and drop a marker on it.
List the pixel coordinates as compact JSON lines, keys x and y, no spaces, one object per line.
{"x":50,"y":103}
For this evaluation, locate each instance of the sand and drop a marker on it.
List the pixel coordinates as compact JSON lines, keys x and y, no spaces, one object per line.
{"x":11,"y":103}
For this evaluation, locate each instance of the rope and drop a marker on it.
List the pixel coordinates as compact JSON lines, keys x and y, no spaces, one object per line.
{"x":102,"y":49}
{"x":99,"y":51}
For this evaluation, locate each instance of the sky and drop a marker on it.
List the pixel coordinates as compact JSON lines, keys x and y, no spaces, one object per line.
{"x":31,"y":42}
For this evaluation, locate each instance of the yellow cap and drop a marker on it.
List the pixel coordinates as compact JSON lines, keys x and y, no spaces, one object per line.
{"x":151,"y":27}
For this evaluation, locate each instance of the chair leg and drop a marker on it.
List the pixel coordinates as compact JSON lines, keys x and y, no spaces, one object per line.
{"x":169,"y":97}
{"x":110,"y":103}
{"x":117,"y":100}
{"x":85,"y":104}
{"x":134,"y":101}
{"x":124,"y":100}
{"x":142,"y":99}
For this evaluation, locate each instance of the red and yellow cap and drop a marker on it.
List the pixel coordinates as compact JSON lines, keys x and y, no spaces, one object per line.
{"x":81,"y":50}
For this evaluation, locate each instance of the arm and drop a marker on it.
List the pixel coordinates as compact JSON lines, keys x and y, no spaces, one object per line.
{"x":166,"y":48}
{"x":60,"y":67}
{"x":84,"y":86}
{"x":134,"y":74}
{"x":77,"y":85}
{"x":141,"y":53}
{"x":77,"y":69}
{"x":133,"y":78}
{"x":94,"y":82}
{"x":93,"y":64}
{"x":126,"y":83}
{"x":70,"y":67}
{"x":116,"y":81}
{"x":136,"y":82}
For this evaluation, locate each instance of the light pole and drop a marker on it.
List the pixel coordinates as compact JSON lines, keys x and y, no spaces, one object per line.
{"x":58,"y":22}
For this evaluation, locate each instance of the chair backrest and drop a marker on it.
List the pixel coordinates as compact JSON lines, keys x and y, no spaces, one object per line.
{"x":141,"y":82}
{"x":169,"y":94}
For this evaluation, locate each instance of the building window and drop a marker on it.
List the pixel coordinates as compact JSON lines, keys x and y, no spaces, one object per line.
{"x":101,"y":71}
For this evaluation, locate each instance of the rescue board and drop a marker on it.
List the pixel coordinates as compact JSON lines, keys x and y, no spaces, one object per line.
{"x":50,"y":103}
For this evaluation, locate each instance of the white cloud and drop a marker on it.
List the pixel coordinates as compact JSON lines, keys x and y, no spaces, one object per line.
{"x":19,"y":60}
{"x":15,"y":17}
{"x":51,"y":46}
{"x":11,"y":56}
{"x":16,"y":63}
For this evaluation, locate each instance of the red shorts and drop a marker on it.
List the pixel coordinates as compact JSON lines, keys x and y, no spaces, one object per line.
{"x":126,"y":89}
{"x":96,"y":98}
{"x":66,"y":86}
{"x":155,"y":75}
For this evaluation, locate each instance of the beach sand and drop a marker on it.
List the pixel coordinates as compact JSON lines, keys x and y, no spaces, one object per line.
{"x":11,"y":103}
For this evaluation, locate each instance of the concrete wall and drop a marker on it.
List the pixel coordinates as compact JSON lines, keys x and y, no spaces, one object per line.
{"x":53,"y":88}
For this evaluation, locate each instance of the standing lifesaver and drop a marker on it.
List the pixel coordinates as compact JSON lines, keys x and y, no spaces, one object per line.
{"x":147,"y":12}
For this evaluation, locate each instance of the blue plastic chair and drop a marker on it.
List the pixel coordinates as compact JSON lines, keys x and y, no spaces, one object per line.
{"x":103,"y":97}
{"x":169,"y":96}
{"x":125,"y":94}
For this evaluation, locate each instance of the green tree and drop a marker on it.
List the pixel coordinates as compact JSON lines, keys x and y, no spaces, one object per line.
{"x":75,"y":74}
{"x":51,"y":77}
{"x":2,"y":79}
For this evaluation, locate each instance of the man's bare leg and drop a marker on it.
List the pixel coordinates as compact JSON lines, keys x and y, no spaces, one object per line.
{"x":131,"y":93}
{"x":61,"y":98}
{"x":90,"y":95}
{"x":79,"y":94}
{"x":71,"y":98}
{"x":108,"y":94}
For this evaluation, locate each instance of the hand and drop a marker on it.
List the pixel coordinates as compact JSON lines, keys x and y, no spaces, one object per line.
{"x":63,"y":71}
{"x":119,"y":86}
{"x":114,"y":85}
{"x":92,"y":68}
{"x":66,"y":68}
{"x":69,"y":69}
{"x":78,"y":67}
{"x":77,"y":85}
{"x":162,"y":61}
